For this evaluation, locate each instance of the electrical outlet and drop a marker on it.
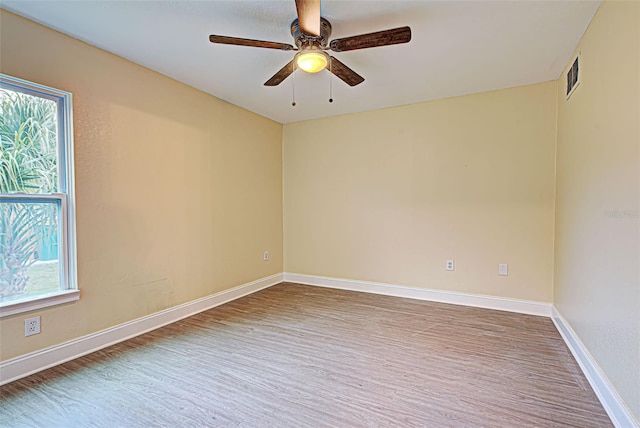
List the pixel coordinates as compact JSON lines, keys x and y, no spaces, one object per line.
{"x":31,"y":326}
{"x":265,"y":256}
{"x":450,"y":265}
{"x":503,"y":270}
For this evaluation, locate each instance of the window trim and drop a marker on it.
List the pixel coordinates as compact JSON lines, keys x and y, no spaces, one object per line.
{"x":66,"y":184}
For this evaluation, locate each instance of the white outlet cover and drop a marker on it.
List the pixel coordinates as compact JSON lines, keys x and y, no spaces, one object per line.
{"x":266,"y":256}
{"x":451,"y":265}
{"x":503,"y":269}
{"x":31,"y":326}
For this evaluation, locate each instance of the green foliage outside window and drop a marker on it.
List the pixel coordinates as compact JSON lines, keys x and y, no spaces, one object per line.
{"x":28,"y":164}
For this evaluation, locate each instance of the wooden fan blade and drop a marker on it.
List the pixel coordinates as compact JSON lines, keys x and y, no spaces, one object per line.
{"x":309,"y":16}
{"x":349,"y":76}
{"x":281,"y":75}
{"x":249,"y":42}
{"x":372,"y":40}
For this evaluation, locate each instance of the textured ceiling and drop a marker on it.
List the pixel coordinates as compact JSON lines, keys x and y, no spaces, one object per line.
{"x":458,"y":47}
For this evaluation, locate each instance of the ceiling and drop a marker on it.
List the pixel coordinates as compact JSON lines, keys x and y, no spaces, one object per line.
{"x":458,"y":47}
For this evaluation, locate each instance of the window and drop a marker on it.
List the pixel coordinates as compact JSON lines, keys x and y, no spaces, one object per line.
{"x":37,"y":216}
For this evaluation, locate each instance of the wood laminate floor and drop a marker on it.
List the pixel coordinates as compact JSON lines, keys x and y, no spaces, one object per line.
{"x":300,"y":356}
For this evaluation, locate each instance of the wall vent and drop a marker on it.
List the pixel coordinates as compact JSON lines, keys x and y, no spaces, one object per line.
{"x":573,"y":76}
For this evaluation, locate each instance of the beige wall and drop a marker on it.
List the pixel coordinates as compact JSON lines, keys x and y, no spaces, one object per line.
{"x":597,"y":276}
{"x":178,"y":193}
{"x":389,"y":195}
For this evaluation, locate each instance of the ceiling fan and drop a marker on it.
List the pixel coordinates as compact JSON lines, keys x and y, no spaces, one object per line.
{"x":311,"y":33}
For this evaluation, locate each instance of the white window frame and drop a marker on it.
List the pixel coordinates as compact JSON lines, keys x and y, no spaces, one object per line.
{"x":68,"y":291}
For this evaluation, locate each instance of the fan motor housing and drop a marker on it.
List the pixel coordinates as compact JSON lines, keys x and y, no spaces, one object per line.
{"x":306,"y":40}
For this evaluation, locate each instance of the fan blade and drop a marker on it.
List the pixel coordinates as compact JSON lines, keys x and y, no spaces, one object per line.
{"x":309,"y":16}
{"x":349,"y":76}
{"x":372,"y":40}
{"x":284,"y":72}
{"x":249,"y":42}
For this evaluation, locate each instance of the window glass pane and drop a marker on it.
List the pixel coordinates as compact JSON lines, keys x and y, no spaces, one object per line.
{"x":29,"y":249}
{"x":29,"y":143}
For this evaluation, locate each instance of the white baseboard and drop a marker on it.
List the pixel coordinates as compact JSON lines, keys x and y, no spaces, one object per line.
{"x":34,"y":362}
{"x":456,"y":298}
{"x":613,"y":404}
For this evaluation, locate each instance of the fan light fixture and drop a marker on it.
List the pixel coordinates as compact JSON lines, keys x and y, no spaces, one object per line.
{"x":312,"y":60}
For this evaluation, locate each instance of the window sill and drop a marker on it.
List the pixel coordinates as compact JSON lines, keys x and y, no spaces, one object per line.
{"x":38,"y":302}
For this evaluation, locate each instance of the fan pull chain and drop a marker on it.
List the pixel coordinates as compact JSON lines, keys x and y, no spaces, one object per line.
{"x":293,"y":85}
{"x":330,"y":82}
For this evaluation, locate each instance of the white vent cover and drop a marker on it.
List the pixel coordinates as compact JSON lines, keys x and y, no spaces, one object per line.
{"x":573,"y":76}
